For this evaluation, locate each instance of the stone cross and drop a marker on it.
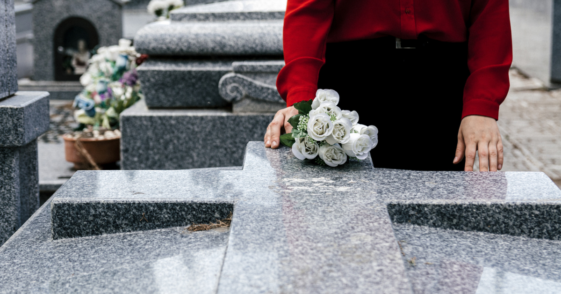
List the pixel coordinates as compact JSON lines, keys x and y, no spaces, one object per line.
{"x":297,"y":227}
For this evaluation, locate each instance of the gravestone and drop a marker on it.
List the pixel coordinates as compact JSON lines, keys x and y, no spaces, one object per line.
{"x":23,"y":117}
{"x":536,"y":36}
{"x":210,"y":79}
{"x":64,"y":34}
{"x":296,"y":228}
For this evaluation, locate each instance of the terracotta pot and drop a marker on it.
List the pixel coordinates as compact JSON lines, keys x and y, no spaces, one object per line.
{"x":103,"y":152}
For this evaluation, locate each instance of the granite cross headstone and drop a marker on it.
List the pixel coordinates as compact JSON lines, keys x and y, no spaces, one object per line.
{"x":23,"y":117}
{"x":297,"y":227}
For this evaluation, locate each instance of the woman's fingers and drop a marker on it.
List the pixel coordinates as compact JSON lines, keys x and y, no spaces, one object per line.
{"x":470,"y":156}
{"x":459,"y":149}
{"x":483,"y":152}
{"x":500,"y":154}
{"x":493,"y":156}
{"x":274,"y":130}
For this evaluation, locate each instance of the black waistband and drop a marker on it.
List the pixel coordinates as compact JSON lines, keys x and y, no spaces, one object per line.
{"x":399,"y":44}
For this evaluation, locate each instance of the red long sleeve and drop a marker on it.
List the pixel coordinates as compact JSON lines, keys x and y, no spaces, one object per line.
{"x":485,"y":24}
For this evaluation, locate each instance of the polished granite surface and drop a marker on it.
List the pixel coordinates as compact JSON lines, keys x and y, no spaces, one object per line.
{"x":297,"y":227}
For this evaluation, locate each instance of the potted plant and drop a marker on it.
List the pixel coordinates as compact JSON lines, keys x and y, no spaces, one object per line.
{"x":110,"y":86}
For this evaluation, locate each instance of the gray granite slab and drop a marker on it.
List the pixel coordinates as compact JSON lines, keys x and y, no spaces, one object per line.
{"x":8,"y":60}
{"x":451,"y":261}
{"x":159,"y":261}
{"x":105,"y":15}
{"x":24,"y":117}
{"x":232,"y":10}
{"x":244,"y":38}
{"x":173,"y":83}
{"x":187,"y":138}
{"x":19,"y":187}
{"x":297,"y":227}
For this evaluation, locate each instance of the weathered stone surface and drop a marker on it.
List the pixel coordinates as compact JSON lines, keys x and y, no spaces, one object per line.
{"x":297,"y":227}
{"x":173,"y":83}
{"x":187,"y":138}
{"x":8,"y":57}
{"x":19,"y":187}
{"x":232,"y":11}
{"x":247,"y":38}
{"x":105,"y":15}
{"x":24,"y":117}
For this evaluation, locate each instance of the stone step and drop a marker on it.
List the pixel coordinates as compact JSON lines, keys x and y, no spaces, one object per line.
{"x":166,"y":139}
{"x":259,"y":38}
{"x":232,"y":11}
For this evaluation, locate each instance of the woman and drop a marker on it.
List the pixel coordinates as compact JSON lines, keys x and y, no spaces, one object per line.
{"x":430,"y":74}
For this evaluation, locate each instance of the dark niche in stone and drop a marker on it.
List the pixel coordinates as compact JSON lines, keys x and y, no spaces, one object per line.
{"x":74,"y":40}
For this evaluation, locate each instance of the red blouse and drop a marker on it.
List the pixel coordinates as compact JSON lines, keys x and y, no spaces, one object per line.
{"x":484,"y":24}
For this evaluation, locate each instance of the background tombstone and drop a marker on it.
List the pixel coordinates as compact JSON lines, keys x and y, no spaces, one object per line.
{"x":64,"y":34}
{"x":536,"y":34}
{"x":209,"y":85}
{"x":23,"y":117}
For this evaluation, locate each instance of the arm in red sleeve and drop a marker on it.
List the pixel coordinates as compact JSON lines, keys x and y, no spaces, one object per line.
{"x":489,"y":58}
{"x":306,"y":26}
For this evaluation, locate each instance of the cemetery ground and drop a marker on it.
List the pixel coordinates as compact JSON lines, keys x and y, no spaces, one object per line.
{"x":530,"y":123}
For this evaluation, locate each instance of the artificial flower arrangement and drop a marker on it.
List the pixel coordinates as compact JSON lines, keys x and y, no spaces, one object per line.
{"x":162,"y":8}
{"x":326,"y":134}
{"x":110,"y":86}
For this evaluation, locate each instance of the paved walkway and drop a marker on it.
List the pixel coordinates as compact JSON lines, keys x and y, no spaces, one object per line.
{"x":530,"y":123}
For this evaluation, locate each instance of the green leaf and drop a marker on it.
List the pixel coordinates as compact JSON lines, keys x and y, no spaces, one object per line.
{"x":287,"y":140}
{"x":294,"y":121}
{"x":303,"y":107}
{"x":298,"y":134}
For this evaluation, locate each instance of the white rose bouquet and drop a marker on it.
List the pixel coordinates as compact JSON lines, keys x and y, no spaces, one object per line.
{"x":326,"y":134}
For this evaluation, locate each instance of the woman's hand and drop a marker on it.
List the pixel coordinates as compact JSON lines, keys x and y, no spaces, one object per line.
{"x":272,"y":137}
{"x":480,"y":133}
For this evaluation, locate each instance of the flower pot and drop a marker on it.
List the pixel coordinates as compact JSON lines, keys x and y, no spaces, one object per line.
{"x":102,"y":151}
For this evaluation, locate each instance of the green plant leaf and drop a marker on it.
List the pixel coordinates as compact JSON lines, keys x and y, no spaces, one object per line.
{"x":287,"y":139}
{"x":303,"y":107}
{"x":298,"y":134}
{"x":294,"y":121}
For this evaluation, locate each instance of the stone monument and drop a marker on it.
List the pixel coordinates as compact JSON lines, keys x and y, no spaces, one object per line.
{"x":536,"y":36}
{"x":23,"y":117}
{"x":209,"y":85}
{"x":296,"y":228}
{"x":65,"y":31}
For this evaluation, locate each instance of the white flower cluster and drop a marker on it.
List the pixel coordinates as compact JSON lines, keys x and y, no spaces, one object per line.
{"x":329,"y":132}
{"x":162,"y":8}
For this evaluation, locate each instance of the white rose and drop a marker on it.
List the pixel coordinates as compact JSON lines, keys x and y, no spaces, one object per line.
{"x":358,"y":146}
{"x":332,"y":155}
{"x":325,"y":96}
{"x":370,"y":131}
{"x":328,"y":108}
{"x":304,"y":148}
{"x":156,"y":5}
{"x":341,"y":131}
{"x":86,"y":79}
{"x":320,"y":127}
{"x":351,"y":115}
{"x":175,"y":3}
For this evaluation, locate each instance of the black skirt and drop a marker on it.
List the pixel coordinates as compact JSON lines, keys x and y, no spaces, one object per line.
{"x":413,"y":96}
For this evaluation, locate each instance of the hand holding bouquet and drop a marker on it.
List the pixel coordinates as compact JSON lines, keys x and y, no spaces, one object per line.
{"x":325,"y":133}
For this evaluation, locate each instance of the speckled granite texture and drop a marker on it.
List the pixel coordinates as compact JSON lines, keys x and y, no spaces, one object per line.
{"x":189,"y":138}
{"x":19,"y":187}
{"x":24,"y":117}
{"x":105,"y":15}
{"x":233,"y":10}
{"x":176,"y":83}
{"x":8,"y":66}
{"x":244,"y":38}
{"x":449,"y":261}
{"x":296,"y":228}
